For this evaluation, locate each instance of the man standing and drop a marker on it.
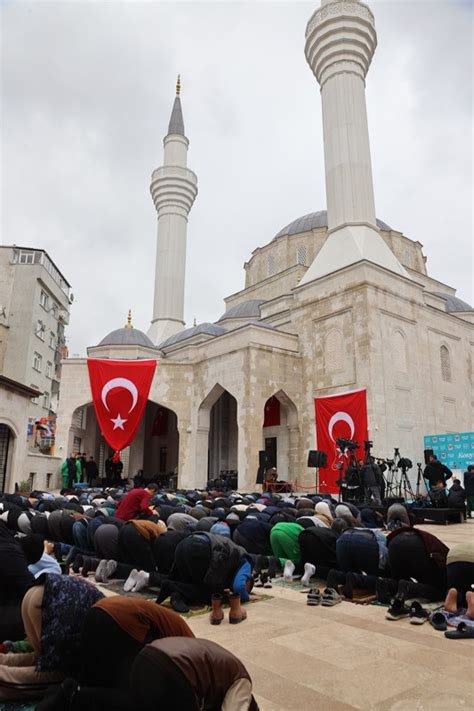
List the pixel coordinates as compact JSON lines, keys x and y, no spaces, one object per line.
{"x":136,"y":503}
{"x":71,"y":471}
{"x":92,"y":471}
{"x":469,"y":489}
{"x":371,"y":480}
{"x":436,"y":473}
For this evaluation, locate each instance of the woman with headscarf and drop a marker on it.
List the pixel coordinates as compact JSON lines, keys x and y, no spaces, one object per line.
{"x":53,"y":613}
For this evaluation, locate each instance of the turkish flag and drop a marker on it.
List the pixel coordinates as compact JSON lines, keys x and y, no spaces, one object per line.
{"x":342,"y":416}
{"x":120,"y":392}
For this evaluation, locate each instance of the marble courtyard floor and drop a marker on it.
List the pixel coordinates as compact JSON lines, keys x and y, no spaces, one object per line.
{"x":349,"y":656}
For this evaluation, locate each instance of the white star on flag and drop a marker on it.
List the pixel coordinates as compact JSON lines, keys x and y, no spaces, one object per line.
{"x":118,"y":422}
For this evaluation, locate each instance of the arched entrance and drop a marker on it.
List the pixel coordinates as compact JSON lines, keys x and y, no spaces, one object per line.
{"x":280,"y":435}
{"x":7,"y":441}
{"x":218,"y":438}
{"x":153,"y":452}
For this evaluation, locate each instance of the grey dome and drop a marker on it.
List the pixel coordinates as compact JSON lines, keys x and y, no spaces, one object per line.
{"x":247,"y":309}
{"x":209,"y":329}
{"x":452,"y":303}
{"x":127,"y":336}
{"x":314,"y":220}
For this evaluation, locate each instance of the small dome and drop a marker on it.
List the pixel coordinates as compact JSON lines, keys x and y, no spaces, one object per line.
{"x":453,"y":304}
{"x":127,"y":336}
{"x":314,"y":220}
{"x":209,"y":329}
{"x":246,"y":309}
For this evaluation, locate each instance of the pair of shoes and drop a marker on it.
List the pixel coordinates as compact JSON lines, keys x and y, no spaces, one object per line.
{"x":418,"y":615}
{"x":330,"y":597}
{"x":314,"y":597}
{"x":397,"y":610}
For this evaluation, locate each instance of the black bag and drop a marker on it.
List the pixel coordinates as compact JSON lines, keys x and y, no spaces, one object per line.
{"x":438,"y":498}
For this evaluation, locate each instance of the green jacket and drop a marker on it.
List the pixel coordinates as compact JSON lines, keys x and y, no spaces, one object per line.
{"x":65,"y":472}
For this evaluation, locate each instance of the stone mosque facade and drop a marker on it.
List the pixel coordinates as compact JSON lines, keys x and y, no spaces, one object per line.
{"x":337,"y":300}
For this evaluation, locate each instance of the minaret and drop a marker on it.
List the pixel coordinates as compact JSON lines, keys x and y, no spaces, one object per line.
{"x":340,"y":43}
{"x":173,"y":189}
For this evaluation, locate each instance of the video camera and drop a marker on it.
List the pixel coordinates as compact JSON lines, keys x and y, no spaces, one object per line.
{"x":344,"y":444}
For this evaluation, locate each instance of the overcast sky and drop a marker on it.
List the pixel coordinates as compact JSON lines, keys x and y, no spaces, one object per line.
{"x":86,"y":95}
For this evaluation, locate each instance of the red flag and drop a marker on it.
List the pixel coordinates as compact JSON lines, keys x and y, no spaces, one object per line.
{"x":341,"y":416}
{"x":120,"y":392}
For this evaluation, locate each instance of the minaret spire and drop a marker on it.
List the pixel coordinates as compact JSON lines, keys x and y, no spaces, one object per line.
{"x":173,"y":189}
{"x":340,"y":43}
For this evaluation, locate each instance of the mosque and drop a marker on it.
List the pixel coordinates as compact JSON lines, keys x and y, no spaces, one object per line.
{"x":337,"y":300}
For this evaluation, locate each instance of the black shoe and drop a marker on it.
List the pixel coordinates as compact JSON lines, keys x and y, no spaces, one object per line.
{"x":78,"y":563}
{"x":397,"y":611}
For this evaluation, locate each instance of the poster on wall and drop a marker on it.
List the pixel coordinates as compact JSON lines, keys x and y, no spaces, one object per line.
{"x":455,"y":450}
{"x":340,"y":416}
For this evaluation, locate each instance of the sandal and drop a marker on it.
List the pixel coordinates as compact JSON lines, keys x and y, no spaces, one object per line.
{"x":462,"y":631}
{"x":330,"y":597}
{"x":438,"y":621}
{"x":314,"y":597}
{"x":418,"y":615}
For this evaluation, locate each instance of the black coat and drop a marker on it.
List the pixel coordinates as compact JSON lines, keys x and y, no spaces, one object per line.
{"x":469,"y":483}
{"x":15,"y":578}
{"x":456,"y":496}
{"x":371,"y":475}
{"x":436,"y":472}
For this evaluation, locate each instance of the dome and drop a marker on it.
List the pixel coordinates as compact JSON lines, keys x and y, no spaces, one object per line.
{"x":453,"y":304}
{"x":314,"y":220}
{"x":209,"y":329}
{"x":127,"y":336}
{"x":246,"y":309}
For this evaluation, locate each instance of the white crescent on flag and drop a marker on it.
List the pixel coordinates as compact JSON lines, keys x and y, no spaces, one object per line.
{"x":341,"y":417}
{"x":120,"y":383}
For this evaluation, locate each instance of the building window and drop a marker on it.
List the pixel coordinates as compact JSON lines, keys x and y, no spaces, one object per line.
{"x":302,"y":255}
{"x":40,"y":329}
{"x":26,"y":257}
{"x":46,"y":400}
{"x":52,"y":340}
{"x":37,"y":360}
{"x":445,"y":364}
{"x":44,"y":299}
{"x":49,"y":370}
{"x":271,"y":268}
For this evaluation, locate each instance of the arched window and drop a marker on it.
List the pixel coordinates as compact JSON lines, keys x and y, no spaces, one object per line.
{"x":399,"y":351}
{"x":445,"y":364}
{"x":302,"y":255}
{"x":271,"y":268}
{"x":333,"y":351}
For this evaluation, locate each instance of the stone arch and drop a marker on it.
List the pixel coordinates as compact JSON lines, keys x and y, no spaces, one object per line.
{"x":217,"y":436}
{"x":445,"y":363}
{"x":154,"y":450}
{"x":399,"y":350}
{"x":281,"y":435}
{"x":334,"y":351}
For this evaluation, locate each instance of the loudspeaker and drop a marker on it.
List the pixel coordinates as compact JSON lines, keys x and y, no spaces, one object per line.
{"x":262,"y":459}
{"x":428,"y":453}
{"x":317,"y":458}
